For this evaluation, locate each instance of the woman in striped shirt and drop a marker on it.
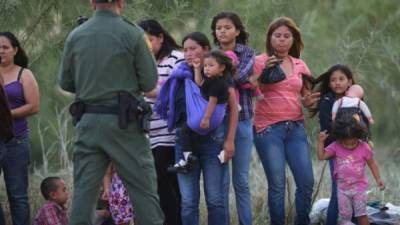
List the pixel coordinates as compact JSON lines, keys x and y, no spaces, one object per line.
{"x":167,"y":54}
{"x":280,"y":134}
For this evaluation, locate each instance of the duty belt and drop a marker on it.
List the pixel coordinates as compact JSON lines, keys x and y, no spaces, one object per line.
{"x":101,"y":109}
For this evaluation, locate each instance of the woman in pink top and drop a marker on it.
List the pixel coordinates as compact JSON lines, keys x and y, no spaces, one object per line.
{"x":280,"y":134}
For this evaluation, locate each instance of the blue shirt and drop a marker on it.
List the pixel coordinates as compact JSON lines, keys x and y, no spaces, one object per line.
{"x":325,"y":114}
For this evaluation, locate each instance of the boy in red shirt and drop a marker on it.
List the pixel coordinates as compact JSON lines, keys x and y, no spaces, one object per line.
{"x":54,"y":211}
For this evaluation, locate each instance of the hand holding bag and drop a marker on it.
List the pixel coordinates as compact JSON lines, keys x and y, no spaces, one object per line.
{"x":272,"y":74}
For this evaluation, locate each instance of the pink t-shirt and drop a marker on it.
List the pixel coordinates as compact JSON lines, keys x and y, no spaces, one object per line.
{"x":350,"y":165}
{"x":281,"y":100}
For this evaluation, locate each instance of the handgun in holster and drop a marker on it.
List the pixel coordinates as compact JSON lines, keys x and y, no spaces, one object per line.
{"x":77,"y":109}
{"x":144,"y":115}
{"x":127,"y":109}
{"x":130,"y":108}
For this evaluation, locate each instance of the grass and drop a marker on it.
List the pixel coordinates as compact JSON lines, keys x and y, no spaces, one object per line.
{"x":56,"y":162}
{"x":258,"y":186}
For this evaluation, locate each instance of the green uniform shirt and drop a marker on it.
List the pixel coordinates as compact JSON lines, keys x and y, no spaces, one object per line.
{"x":106,"y":55}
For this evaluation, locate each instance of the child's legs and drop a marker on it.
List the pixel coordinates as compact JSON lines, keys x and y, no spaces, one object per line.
{"x":345,"y":207}
{"x":363,"y":220}
{"x":187,"y":138}
{"x":360,"y":207}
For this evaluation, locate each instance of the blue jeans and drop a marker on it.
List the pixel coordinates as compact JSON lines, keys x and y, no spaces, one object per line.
{"x":333,"y":210}
{"x":213,"y":176}
{"x":14,"y":162}
{"x":2,"y":151}
{"x":240,"y":173}
{"x":277,"y":144}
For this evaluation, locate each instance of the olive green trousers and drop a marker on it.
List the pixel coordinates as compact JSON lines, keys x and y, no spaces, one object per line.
{"x":98,"y":141}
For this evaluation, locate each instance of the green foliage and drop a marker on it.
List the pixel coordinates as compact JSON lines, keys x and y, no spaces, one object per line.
{"x":362,"y":34}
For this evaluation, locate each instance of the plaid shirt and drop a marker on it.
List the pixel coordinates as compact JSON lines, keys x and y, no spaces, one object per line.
{"x":244,"y":70}
{"x":51,"y":214}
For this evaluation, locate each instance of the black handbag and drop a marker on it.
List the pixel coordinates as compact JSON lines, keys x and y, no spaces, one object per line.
{"x":272,"y":75}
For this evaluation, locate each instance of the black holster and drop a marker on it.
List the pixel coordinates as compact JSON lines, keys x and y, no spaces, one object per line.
{"x":77,"y":109}
{"x":130,"y":108}
{"x":145,"y":112}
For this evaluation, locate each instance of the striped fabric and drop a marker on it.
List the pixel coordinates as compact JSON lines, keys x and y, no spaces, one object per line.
{"x":159,"y":135}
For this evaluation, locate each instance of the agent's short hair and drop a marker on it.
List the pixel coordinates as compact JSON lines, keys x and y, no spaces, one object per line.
{"x":48,"y":185}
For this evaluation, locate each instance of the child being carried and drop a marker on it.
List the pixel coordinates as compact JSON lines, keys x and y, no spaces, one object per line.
{"x":214,"y":85}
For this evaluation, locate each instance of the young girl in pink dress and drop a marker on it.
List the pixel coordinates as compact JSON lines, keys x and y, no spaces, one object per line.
{"x":121,"y":208}
{"x":351,"y":155}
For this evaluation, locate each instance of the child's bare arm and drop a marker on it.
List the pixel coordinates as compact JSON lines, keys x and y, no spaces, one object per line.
{"x":253,"y":80}
{"x":212,"y":102}
{"x":322,"y":154}
{"x":375,"y":172}
{"x":364,"y":108}
{"x":106,"y":182}
{"x":198,"y":77}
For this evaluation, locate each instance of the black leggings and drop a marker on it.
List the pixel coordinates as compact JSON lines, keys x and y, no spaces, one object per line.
{"x":168,"y":189}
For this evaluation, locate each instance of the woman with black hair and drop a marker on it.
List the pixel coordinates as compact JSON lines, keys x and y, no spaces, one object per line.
{"x":168,"y":55}
{"x":172,"y":105}
{"x":229,"y":34}
{"x":22,"y":92}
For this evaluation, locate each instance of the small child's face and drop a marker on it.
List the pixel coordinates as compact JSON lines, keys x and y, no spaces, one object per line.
{"x":61,"y":195}
{"x":212,"y":67}
{"x":339,"y":83}
{"x":349,"y":143}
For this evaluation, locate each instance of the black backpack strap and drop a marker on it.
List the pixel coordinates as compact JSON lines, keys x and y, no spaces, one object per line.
{"x":359,"y":102}
{"x":20,"y":74}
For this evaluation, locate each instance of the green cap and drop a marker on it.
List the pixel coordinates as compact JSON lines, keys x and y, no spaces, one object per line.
{"x":105,"y":1}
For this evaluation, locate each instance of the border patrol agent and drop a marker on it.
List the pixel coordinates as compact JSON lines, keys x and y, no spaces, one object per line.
{"x":102,"y":58}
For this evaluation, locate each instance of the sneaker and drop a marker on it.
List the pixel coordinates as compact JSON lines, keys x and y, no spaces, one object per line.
{"x":178,"y":169}
{"x":221,"y":156}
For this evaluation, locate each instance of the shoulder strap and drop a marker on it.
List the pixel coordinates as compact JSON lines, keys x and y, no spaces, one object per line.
{"x":340,"y":103}
{"x":359,"y":102}
{"x":20,"y":74}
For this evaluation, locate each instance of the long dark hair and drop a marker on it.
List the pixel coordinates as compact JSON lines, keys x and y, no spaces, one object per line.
{"x":20,"y":59}
{"x":321,"y":83}
{"x":199,"y":38}
{"x":297,"y":45}
{"x":154,"y":28}
{"x":222,"y":59}
{"x":243,"y":36}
